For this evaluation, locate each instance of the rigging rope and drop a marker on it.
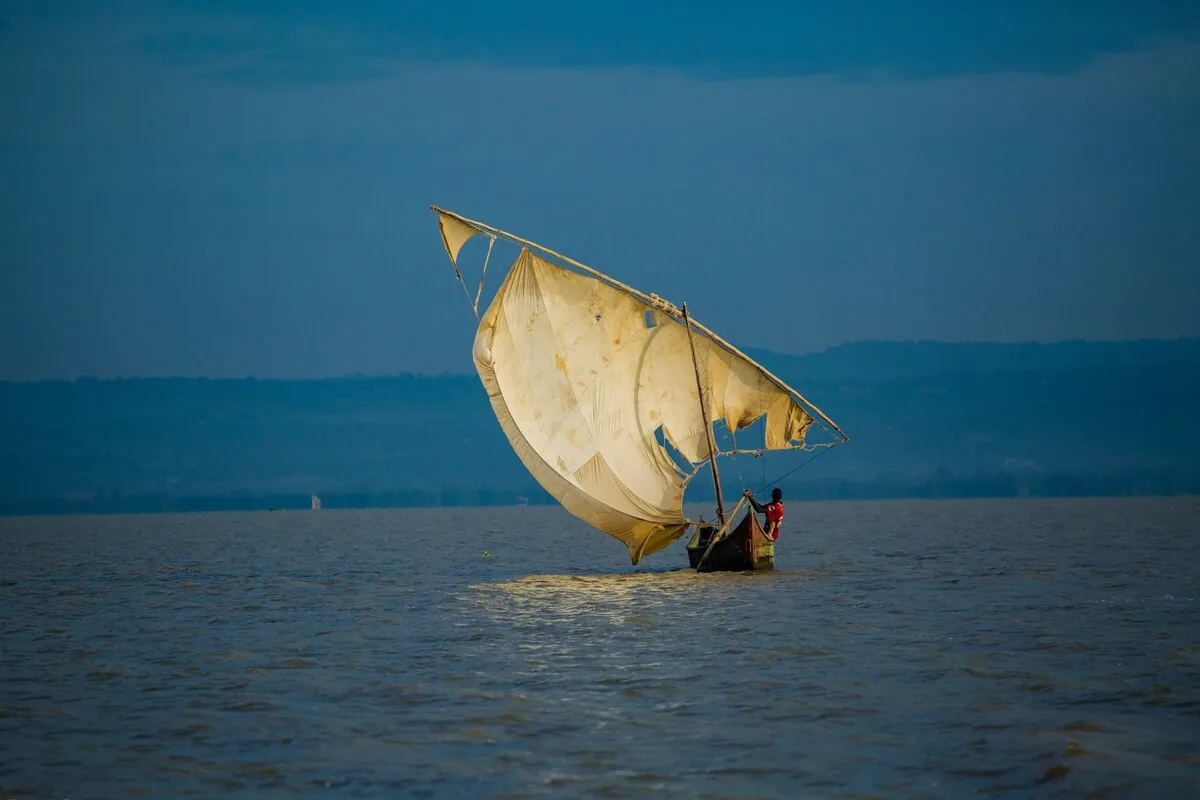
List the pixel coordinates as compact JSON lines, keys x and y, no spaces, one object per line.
{"x":482,"y":276}
{"x":463,"y":283}
{"x":803,"y":463}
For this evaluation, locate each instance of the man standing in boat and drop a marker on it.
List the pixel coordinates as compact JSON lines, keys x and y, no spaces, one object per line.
{"x":773,"y":510}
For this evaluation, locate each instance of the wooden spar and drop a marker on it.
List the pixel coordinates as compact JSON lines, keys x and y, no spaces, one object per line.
{"x":653,"y":302}
{"x":712,"y":444}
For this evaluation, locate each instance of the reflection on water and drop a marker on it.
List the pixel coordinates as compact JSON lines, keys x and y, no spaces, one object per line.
{"x":1010,"y":648}
{"x":571,"y":594}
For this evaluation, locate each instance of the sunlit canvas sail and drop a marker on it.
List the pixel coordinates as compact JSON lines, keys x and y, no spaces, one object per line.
{"x":590,"y":380}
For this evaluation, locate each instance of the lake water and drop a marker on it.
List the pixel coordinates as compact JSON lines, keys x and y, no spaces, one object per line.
{"x":1016,"y":648}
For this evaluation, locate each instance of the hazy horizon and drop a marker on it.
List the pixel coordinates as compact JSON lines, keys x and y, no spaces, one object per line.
{"x":924,"y":420}
{"x":754,"y":352}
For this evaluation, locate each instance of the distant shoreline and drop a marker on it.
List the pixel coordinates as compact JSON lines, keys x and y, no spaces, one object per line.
{"x":926,"y":420}
{"x":942,"y":488}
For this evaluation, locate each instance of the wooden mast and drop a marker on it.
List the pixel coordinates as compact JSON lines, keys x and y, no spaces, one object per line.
{"x":712,"y":444}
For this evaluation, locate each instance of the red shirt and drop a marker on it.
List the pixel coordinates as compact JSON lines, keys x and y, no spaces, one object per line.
{"x":775,"y":515}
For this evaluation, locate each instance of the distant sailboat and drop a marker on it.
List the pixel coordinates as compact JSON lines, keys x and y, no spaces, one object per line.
{"x":591,"y":379}
{"x":316,"y":503}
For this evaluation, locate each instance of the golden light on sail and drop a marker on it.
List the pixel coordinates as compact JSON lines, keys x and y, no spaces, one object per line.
{"x":582,"y":386}
{"x":454,"y":235}
{"x":589,"y":378}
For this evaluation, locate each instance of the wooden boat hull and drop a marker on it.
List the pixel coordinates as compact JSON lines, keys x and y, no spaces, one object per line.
{"x":746,"y":548}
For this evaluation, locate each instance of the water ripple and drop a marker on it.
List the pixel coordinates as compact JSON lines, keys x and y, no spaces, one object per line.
{"x":1009,"y":648}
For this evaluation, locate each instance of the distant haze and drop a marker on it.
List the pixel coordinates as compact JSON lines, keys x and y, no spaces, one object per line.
{"x":227,"y":189}
{"x":924,"y":419}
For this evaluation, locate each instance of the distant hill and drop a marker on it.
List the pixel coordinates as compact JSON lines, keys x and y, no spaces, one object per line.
{"x":880,"y":361}
{"x":926,"y":419}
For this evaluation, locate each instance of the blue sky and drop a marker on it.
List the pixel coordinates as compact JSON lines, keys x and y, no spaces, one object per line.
{"x":233,"y":188}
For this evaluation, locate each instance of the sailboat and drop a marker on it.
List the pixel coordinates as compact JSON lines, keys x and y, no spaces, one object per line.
{"x":609,"y":397}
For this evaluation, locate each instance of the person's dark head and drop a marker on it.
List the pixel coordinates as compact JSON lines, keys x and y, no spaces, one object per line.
{"x":776,"y":495}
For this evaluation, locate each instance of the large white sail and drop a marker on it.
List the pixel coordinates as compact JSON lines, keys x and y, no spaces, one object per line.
{"x":584,"y":379}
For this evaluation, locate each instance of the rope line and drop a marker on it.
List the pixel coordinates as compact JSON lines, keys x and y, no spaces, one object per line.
{"x":482,"y":276}
{"x":463,"y":283}
{"x":803,"y":463}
